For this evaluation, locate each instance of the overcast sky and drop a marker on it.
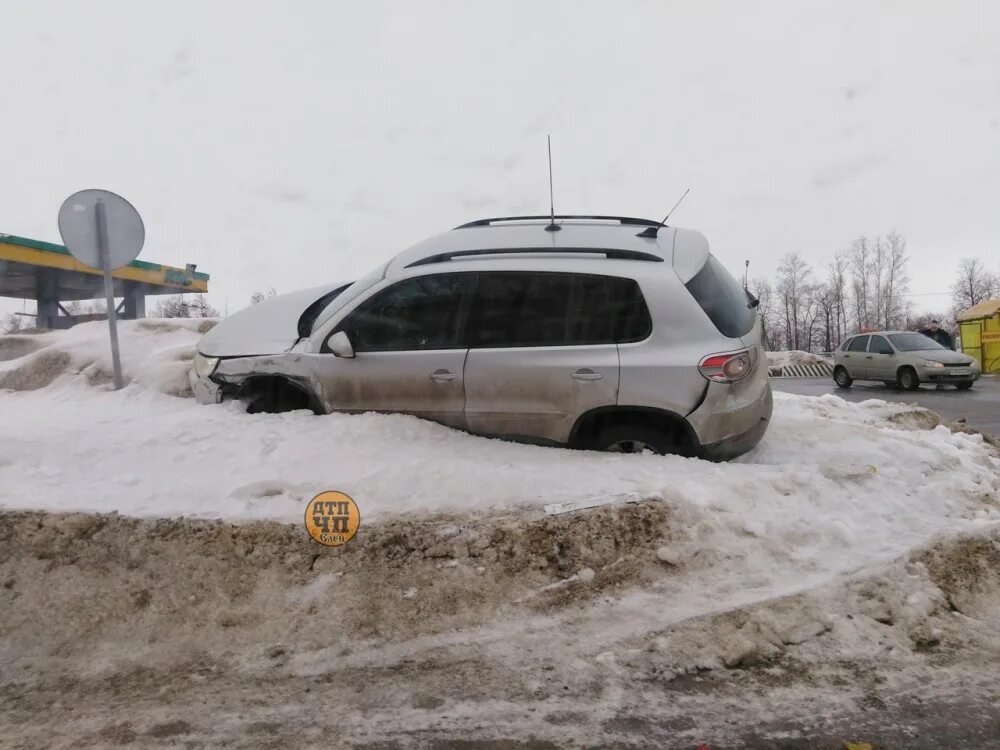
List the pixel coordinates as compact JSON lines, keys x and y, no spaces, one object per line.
{"x":289,"y":143}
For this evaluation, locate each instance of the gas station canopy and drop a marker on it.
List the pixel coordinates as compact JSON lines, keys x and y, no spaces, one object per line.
{"x":48,"y":274}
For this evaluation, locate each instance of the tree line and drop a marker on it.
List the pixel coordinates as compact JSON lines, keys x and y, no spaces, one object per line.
{"x":864,"y":286}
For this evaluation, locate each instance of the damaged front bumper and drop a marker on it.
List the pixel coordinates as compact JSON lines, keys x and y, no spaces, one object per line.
{"x":205,"y":391}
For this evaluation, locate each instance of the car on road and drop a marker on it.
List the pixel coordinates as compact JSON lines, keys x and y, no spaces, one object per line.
{"x":606,"y":333}
{"x":902,"y":359}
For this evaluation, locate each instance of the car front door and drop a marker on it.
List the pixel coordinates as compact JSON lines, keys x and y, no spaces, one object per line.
{"x":881,"y":360}
{"x":543,"y":350}
{"x":855,"y":357}
{"x":408,"y":351}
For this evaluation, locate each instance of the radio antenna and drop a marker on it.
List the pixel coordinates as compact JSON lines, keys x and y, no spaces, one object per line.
{"x":552,"y":227}
{"x":651,"y":231}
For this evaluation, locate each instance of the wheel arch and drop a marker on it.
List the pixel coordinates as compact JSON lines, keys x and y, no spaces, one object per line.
{"x":589,"y":424}
{"x":287,"y":393}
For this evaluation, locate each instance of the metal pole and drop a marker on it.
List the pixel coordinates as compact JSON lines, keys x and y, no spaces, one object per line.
{"x":109,"y":289}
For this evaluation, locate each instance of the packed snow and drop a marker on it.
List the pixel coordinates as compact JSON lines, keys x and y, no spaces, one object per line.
{"x":795,"y":357}
{"x":806,"y":546}
{"x":832,"y":483}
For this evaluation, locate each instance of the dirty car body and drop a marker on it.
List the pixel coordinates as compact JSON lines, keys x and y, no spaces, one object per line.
{"x":603,"y":333}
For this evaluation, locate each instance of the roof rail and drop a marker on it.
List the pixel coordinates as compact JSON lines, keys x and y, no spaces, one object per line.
{"x":623,"y":220}
{"x":610,"y":253}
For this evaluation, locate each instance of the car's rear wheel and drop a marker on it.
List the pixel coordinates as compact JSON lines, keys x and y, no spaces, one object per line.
{"x":908,"y":379}
{"x":963,"y":386}
{"x":637,"y":438}
{"x":842,"y":377}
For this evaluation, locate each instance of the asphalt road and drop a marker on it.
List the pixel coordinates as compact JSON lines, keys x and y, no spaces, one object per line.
{"x":979,"y":406}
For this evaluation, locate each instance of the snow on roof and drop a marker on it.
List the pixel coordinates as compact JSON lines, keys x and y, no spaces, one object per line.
{"x":986,"y":309}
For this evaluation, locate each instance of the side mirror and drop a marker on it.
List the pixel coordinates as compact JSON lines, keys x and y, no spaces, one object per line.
{"x":340,"y":345}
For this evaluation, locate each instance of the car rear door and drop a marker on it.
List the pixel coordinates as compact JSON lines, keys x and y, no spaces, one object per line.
{"x":409,"y":357}
{"x":543,"y":350}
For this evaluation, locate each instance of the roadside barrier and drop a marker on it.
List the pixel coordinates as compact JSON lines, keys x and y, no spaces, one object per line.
{"x":821,"y":370}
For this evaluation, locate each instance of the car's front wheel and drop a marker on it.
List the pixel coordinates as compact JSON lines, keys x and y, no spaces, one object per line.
{"x":963,"y":386}
{"x":908,"y":379}
{"x":842,"y":377}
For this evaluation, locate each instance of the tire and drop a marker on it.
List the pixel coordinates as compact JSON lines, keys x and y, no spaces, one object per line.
{"x":637,"y":438}
{"x":908,"y":379}
{"x":963,"y":386}
{"x":842,"y":377}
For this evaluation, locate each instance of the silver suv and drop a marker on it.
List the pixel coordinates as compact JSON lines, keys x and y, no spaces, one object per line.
{"x":904,"y":359}
{"x":608,"y":333}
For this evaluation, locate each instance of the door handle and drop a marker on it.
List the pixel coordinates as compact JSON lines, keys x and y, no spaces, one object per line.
{"x":868,"y":357}
{"x":586,"y":374}
{"x":442,"y":375}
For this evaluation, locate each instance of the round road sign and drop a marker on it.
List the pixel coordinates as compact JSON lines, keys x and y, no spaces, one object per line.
{"x":80,"y":223}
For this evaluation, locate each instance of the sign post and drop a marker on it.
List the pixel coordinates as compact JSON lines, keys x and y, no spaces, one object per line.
{"x":102,"y":230}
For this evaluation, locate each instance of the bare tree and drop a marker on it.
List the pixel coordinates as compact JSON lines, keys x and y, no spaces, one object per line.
{"x":12,"y":324}
{"x":895,"y":281}
{"x":793,"y":290}
{"x":837,"y":285}
{"x":260,"y":296}
{"x":762,"y":290}
{"x":974,"y":284}
{"x":860,"y":268}
{"x":178,"y":307}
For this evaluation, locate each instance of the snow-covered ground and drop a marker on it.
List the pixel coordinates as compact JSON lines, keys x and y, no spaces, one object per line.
{"x":831,"y":484}
{"x":836,"y":496}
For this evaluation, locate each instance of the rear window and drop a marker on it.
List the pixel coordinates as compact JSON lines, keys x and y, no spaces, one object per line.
{"x":722,"y":298}
{"x":555,"y":309}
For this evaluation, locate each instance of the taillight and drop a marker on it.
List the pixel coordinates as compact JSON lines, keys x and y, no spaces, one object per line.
{"x":726,"y":368}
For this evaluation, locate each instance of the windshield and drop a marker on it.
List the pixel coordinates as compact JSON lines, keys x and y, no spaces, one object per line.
{"x":308,"y":317}
{"x":350,"y":293}
{"x":913,"y":342}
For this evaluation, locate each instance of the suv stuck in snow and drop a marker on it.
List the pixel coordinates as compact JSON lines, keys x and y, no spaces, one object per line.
{"x":607,"y":333}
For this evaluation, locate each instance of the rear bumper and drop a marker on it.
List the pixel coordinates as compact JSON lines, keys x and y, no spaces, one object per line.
{"x":737,"y":445}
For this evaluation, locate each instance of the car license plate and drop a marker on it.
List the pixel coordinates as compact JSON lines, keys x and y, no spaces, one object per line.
{"x":958,"y":372}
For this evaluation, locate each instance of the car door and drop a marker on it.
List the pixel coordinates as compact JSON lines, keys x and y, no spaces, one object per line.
{"x":408,"y":351}
{"x":880,"y":360}
{"x":855,"y":357}
{"x":542,"y":351}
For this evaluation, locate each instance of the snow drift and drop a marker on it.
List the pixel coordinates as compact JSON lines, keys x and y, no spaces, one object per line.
{"x":161,"y":542}
{"x":795,"y":357}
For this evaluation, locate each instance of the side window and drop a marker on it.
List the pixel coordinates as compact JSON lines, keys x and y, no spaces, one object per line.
{"x":556,"y":309}
{"x":880,"y":346}
{"x":607,"y":310}
{"x":859,"y":344}
{"x":419,"y":313}
{"x":520,"y":309}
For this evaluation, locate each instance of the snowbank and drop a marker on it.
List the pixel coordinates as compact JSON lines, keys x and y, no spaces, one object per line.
{"x":156,"y":353}
{"x":832,"y":486}
{"x":844,"y":542}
